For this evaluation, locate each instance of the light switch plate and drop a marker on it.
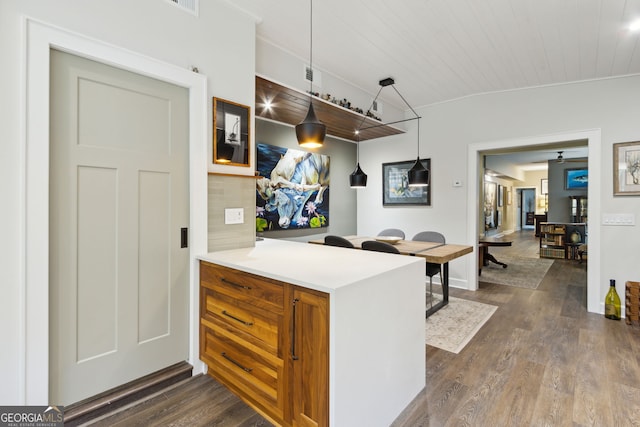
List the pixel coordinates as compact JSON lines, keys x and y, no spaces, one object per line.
{"x":618,"y":219}
{"x":233,"y":216}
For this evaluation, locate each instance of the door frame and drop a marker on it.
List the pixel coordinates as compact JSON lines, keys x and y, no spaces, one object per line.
{"x":474,"y":173}
{"x":38,"y":39}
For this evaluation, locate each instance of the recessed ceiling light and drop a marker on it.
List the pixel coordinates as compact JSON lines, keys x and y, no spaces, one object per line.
{"x":635,"y":25}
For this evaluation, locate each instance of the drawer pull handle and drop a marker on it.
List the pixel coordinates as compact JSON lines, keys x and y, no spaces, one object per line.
{"x":236,"y":284}
{"x":237,"y":319}
{"x":293,"y":331}
{"x":223,"y":354}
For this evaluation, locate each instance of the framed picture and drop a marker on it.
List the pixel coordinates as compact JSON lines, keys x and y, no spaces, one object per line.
{"x":626,"y":169}
{"x":395,"y":185}
{"x":576,"y":179}
{"x":544,"y":186}
{"x":231,"y":145}
{"x":490,"y":205}
{"x":500,"y":195}
{"x":296,"y":193}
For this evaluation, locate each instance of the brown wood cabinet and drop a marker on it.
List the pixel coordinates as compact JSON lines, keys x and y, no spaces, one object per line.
{"x":267,"y":341}
{"x":310,"y":358}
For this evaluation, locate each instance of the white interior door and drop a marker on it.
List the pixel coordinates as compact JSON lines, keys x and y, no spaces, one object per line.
{"x":118,"y":201}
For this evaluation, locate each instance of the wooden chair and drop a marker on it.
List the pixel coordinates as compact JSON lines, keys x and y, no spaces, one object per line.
{"x":395,"y":232}
{"x":339,"y":241}
{"x":374,"y":245}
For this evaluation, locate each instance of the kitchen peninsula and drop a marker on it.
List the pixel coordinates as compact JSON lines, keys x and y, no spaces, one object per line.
{"x":288,"y":325}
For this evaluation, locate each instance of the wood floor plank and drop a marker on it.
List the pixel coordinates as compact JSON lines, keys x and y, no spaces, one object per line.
{"x":552,"y":408}
{"x":591,"y":398}
{"x":626,"y":406}
{"x":513,"y":404}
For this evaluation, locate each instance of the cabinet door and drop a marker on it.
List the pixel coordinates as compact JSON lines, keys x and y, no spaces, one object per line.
{"x":310,"y":358}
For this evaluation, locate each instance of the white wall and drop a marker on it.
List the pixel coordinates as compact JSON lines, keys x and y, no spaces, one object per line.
{"x":448,"y":131}
{"x":155,"y":29}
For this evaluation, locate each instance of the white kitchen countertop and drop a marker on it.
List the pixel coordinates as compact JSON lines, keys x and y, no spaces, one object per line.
{"x":319,"y":267}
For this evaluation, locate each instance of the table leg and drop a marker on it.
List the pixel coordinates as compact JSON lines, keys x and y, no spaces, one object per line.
{"x":488,"y":257}
{"x":445,"y":291}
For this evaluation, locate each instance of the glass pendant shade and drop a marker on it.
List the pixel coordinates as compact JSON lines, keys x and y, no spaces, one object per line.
{"x":311,"y":131}
{"x":358,"y":179}
{"x":418,"y":175}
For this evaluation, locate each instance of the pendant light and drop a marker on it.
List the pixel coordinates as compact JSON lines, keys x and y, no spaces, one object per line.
{"x":358,"y":179}
{"x":418,"y":175}
{"x":311,"y":131}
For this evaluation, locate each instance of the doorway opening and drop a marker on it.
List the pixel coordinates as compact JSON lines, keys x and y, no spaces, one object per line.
{"x":476,"y":162}
{"x":526,"y":208}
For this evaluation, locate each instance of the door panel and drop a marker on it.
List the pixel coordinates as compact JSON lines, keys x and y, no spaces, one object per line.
{"x":118,"y":199}
{"x":96,"y":262}
{"x":154,"y":255}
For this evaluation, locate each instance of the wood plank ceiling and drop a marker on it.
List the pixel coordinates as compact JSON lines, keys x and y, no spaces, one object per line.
{"x":290,"y":106}
{"x":440,"y":50}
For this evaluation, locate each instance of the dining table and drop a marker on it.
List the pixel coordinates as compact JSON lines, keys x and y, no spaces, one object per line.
{"x":434,"y":252}
{"x":484,"y":257}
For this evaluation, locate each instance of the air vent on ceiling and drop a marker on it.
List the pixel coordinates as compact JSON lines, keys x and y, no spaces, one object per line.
{"x":190,"y":6}
{"x":376,"y":106}
{"x":312,"y":76}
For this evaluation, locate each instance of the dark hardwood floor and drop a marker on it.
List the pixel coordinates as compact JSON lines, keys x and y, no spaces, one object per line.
{"x":541,"y":360}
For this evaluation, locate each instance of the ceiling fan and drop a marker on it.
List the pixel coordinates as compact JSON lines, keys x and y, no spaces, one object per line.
{"x":560,"y":159}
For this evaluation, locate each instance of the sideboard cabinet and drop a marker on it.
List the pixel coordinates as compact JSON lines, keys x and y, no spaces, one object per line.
{"x":267,"y":341}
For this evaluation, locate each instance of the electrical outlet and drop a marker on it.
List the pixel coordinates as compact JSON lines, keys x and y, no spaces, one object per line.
{"x":233,"y":216}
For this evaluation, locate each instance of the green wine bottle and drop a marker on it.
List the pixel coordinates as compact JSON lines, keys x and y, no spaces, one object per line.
{"x":612,"y":302}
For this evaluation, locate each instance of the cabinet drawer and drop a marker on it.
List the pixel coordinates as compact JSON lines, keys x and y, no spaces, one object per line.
{"x":253,"y":324}
{"x":255,"y":376}
{"x":260,"y":291}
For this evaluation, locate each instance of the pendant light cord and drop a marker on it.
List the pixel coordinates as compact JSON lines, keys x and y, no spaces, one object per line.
{"x":418,"y":138}
{"x":405,"y":101}
{"x":362,"y":122}
{"x":311,"y":50}
{"x":414,"y":112}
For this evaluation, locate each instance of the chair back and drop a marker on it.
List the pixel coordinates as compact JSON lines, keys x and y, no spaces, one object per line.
{"x":374,"y":245}
{"x":395,"y":232}
{"x":331,"y":240}
{"x":429,"y":236}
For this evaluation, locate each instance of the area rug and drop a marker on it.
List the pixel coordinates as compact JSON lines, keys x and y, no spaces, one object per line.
{"x":453,"y":326}
{"x":521,"y":272}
